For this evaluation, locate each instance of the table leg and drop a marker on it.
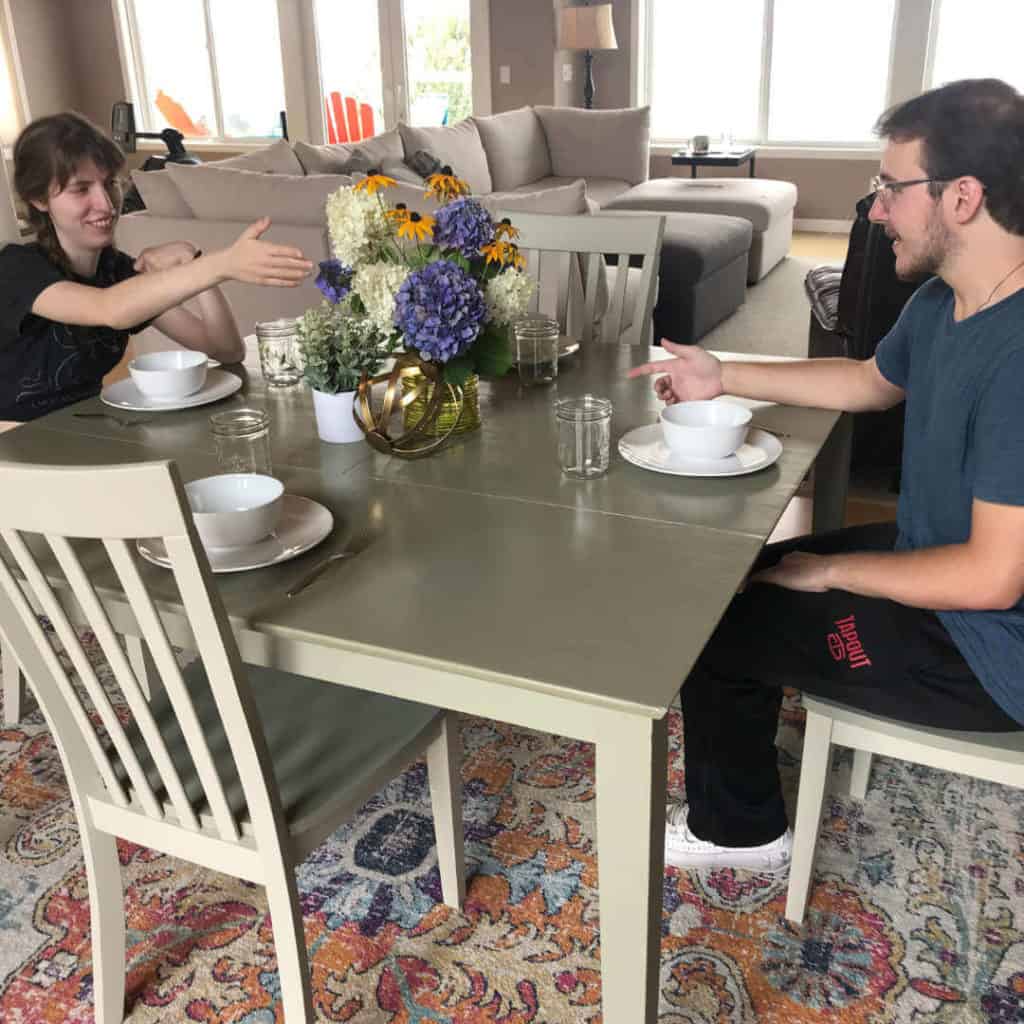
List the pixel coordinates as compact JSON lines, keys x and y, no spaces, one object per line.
{"x":753,"y":158}
{"x":13,"y":686}
{"x":693,"y":170}
{"x":832,"y":477}
{"x":631,"y":771}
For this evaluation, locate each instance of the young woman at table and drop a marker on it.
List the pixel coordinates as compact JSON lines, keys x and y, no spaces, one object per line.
{"x":69,"y":300}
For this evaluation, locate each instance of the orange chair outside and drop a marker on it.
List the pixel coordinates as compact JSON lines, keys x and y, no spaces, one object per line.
{"x":177,"y":117}
{"x":347,"y":119}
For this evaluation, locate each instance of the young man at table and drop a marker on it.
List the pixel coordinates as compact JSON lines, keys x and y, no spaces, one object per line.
{"x":921,"y":620}
{"x":69,"y":300}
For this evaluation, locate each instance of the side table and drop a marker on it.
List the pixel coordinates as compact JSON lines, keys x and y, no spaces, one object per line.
{"x":713,"y":158}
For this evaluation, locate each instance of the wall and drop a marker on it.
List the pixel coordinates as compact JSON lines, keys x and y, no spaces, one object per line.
{"x":523,"y":38}
{"x":97,"y":62}
{"x":47,"y":53}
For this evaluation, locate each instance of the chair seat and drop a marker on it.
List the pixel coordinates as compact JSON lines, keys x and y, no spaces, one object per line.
{"x":326,"y":743}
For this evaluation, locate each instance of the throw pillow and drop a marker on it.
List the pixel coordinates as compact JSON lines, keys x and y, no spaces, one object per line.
{"x":456,"y":145}
{"x":567,"y":199}
{"x":277,"y":158}
{"x":160,"y":194}
{"x":346,"y":158}
{"x":516,"y":148}
{"x":219,"y":193}
{"x":606,"y":143}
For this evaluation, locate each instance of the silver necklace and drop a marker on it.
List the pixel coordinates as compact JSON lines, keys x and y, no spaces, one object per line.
{"x":1002,"y":281}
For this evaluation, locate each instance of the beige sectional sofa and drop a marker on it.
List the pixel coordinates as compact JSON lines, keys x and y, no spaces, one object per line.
{"x":537,"y":159}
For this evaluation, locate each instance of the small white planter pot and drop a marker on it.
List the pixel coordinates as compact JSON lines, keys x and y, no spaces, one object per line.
{"x":334,"y":420}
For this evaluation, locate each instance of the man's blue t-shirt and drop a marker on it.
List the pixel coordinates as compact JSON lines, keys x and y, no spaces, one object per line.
{"x":963,"y":439}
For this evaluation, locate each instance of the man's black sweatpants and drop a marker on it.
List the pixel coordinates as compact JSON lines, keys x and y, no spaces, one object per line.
{"x":868,"y":652}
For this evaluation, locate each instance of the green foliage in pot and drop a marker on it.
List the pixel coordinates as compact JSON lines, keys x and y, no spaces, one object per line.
{"x":337,"y":347}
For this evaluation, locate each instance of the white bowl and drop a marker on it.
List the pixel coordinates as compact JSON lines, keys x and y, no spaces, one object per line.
{"x":235,"y":508}
{"x":705,"y":430}
{"x":166,"y":376}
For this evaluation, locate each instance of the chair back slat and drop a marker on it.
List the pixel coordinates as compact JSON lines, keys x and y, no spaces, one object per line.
{"x":623,"y":235}
{"x":130,"y":689}
{"x":174,"y":685}
{"x":33,"y":579}
{"x":68,"y":636}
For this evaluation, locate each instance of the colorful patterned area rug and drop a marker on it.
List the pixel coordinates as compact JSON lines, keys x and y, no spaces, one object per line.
{"x":917,"y":910}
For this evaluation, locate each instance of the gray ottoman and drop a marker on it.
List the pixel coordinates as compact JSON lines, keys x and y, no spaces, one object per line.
{"x":767,"y":205}
{"x":703,"y":274}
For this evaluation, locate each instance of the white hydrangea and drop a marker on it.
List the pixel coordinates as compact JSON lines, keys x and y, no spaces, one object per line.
{"x":508,"y":295}
{"x":377,"y":284}
{"x":356,"y":225}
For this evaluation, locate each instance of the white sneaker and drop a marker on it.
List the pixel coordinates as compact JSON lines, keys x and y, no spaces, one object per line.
{"x":684,"y":850}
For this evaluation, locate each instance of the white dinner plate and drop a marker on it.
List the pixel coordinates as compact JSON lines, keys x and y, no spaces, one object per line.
{"x":645,"y":447}
{"x":304,"y":524}
{"x":125,"y":395}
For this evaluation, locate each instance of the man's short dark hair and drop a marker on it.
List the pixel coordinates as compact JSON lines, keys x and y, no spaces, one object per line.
{"x":971,"y":127}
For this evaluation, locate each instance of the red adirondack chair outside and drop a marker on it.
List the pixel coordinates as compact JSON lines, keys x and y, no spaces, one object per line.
{"x":347,"y":119}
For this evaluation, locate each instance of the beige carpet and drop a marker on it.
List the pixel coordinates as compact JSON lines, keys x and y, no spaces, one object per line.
{"x":774,"y":318}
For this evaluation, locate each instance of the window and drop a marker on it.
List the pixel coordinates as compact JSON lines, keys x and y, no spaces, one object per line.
{"x":10,"y":119}
{"x":210,"y":68}
{"x":782,"y":71}
{"x":978,"y":39}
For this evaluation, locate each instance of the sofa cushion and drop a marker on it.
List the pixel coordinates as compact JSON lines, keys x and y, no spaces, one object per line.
{"x":568,"y":199}
{"x":160,"y":194}
{"x":457,"y":145}
{"x":600,"y":191}
{"x":759,"y":200}
{"x":611,"y":143}
{"x":348,"y":157}
{"x":516,"y":148}
{"x":277,"y":158}
{"x":219,"y":193}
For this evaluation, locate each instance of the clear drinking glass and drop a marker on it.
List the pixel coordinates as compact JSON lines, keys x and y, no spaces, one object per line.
{"x":242,"y":440}
{"x":536,"y":338}
{"x":279,"y":352}
{"x":584,"y":435}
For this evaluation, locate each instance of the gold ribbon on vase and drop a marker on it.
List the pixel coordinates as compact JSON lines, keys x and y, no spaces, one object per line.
{"x":417,"y":440}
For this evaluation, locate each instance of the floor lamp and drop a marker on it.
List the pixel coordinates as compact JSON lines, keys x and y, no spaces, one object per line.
{"x":587,"y":29}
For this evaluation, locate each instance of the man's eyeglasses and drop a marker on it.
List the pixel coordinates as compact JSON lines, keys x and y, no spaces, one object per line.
{"x":886,"y":192}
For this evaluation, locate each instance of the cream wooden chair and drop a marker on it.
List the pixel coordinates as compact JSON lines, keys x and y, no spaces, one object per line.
{"x":239,"y":769}
{"x":997,"y":757}
{"x":574,"y":290}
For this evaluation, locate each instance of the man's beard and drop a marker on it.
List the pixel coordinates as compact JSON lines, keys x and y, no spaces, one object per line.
{"x":935,"y":250}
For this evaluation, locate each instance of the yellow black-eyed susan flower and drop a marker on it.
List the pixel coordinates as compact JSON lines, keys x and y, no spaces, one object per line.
{"x":504,"y":229}
{"x":400,"y":214}
{"x":445,"y":185}
{"x":373,"y":181}
{"x":417,"y":226}
{"x":504,"y":253}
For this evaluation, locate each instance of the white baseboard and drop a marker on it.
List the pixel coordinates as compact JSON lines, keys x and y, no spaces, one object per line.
{"x":822,"y":227}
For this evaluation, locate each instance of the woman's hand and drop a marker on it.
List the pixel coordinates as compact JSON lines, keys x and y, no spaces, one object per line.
{"x":693,"y":375}
{"x":257,"y":262}
{"x":163,"y":257}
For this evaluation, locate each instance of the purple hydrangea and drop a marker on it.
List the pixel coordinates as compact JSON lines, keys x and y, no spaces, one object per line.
{"x":464,"y":225}
{"x":440,"y":309}
{"x":334,"y":280}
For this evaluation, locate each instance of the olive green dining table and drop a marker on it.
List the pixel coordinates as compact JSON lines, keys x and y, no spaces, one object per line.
{"x":498,"y":587}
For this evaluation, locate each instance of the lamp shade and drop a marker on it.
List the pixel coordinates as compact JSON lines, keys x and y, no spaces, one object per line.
{"x":586,"y":28}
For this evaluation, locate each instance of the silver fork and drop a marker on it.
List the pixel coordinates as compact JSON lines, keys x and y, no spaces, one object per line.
{"x":358,"y":543}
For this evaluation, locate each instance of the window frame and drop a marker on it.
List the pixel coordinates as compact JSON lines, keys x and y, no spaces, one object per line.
{"x":911,"y":51}
{"x":133,"y":73}
{"x":300,"y":62}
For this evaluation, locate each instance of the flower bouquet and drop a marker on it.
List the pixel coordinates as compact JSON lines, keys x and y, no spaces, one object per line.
{"x":443,"y":287}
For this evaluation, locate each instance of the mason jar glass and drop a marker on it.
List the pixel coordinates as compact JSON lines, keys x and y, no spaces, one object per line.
{"x":278,"y":346}
{"x":242,"y":440}
{"x":536,"y":339}
{"x":584,"y":435}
